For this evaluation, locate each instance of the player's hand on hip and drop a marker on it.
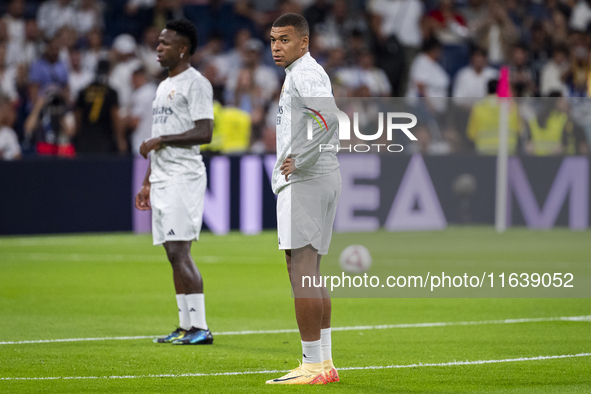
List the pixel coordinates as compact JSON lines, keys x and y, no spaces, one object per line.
{"x":150,"y":145}
{"x":288,"y":167}
{"x":142,"y":199}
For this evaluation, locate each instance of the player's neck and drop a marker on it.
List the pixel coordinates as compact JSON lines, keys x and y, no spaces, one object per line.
{"x":301,"y":56}
{"x":179,"y":68}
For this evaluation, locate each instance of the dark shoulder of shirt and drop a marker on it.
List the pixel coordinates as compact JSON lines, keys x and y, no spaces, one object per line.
{"x":97,"y":91}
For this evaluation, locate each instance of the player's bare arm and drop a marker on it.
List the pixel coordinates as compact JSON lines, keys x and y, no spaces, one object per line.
{"x":198,"y":135}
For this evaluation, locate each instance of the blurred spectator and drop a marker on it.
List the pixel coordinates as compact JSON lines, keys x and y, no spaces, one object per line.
{"x":475,"y":11}
{"x":246,"y":16}
{"x":260,"y":77}
{"x":317,"y":13}
{"x":472,"y":81}
{"x":552,"y":132}
{"x":7,"y":78}
{"x":3,"y":31}
{"x":231,"y":130}
{"x":335,"y":62}
{"x":267,"y":143}
{"x":399,"y":18}
{"x":29,"y":50}
{"x":248,"y":96}
{"x":427,"y":77}
{"x":555,"y":72}
{"x":447,"y":24}
{"x":67,"y":39}
{"x":48,"y":71}
{"x":213,"y":48}
{"x":99,"y":128}
{"x":338,"y":26}
{"x":140,"y":118}
{"x":15,"y":22}
{"x":496,"y":33}
{"x":398,"y":28}
{"x":132,"y":7}
{"x":163,"y":11}
{"x":136,"y":16}
{"x":95,"y":50}
{"x":522,"y":74}
{"x":516,"y":12}
{"x":230,"y":62}
{"x":50,"y":125}
{"x":366,"y":74}
{"x":125,"y":62}
{"x":78,"y":77}
{"x":9,"y":146}
{"x":483,"y":125}
{"x":54,"y":14}
{"x":578,"y":78}
{"x":580,"y":15}
{"x":147,"y":51}
{"x":354,"y":41}
{"x":558,"y":28}
{"x":356,"y":45}
{"x":211,"y":73}
{"x":540,"y":49}
{"x":89,"y":16}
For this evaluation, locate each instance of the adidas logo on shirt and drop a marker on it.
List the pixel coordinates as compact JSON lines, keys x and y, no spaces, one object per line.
{"x":171,"y":232}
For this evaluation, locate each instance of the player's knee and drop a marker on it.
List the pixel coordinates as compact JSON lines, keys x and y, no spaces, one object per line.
{"x":176,"y":256}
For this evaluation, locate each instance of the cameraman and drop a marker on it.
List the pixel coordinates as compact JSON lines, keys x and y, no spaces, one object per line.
{"x":50,"y":125}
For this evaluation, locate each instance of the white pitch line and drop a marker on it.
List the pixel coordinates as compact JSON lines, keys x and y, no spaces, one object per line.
{"x":586,"y":318}
{"x":419,"y":365}
{"x":117,"y":258}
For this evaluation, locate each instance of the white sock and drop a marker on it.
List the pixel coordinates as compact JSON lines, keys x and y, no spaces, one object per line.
{"x":325,"y":344}
{"x":196,"y":305}
{"x":184,"y":319}
{"x":311,"y":352}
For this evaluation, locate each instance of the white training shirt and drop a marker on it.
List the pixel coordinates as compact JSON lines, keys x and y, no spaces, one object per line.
{"x":180,"y":101}
{"x":305,"y":78}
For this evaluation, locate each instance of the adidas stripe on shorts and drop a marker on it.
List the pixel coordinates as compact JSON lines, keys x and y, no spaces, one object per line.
{"x":177,"y":210}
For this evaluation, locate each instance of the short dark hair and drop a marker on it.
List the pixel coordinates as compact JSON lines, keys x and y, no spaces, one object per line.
{"x":103,"y":67}
{"x":561,"y":48}
{"x":479,"y":51}
{"x":296,"y":20}
{"x":431,"y":44}
{"x":186,"y":29}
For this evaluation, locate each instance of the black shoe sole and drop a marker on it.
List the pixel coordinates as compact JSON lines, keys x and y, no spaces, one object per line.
{"x":205,"y":342}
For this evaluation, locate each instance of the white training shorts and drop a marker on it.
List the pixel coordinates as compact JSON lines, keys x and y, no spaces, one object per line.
{"x":306,"y":212}
{"x":177,"y":210}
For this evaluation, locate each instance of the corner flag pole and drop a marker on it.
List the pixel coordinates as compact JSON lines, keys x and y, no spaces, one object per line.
{"x":504,"y":92}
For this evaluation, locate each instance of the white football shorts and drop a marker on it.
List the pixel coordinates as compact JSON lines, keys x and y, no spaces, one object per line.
{"x":177,"y":210}
{"x":306,"y":212}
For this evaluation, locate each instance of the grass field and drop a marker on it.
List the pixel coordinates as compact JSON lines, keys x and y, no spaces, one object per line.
{"x":96,"y":287}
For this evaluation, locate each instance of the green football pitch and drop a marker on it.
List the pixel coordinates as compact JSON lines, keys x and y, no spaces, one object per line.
{"x":77,"y":314}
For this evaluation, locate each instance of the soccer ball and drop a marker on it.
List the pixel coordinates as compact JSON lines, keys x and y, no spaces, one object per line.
{"x":355,"y":259}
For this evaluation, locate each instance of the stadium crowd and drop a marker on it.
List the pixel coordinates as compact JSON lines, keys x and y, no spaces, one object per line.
{"x":78,"y":76}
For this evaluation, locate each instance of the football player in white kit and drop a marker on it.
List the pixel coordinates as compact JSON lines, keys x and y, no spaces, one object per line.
{"x":308,"y":184}
{"x":175,"y":183}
